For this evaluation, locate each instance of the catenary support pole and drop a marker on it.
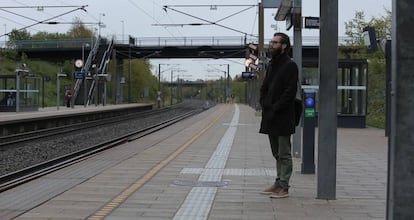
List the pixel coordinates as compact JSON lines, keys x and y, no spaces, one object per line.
{"x":327,"y":117}
{"x":297,"y":57}
{"x":262,"y":59}
{"x":400,"y":195}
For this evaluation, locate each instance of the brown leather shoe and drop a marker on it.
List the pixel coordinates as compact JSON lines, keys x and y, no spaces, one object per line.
{"x":270,"y":190}
{"x":282,"y":193}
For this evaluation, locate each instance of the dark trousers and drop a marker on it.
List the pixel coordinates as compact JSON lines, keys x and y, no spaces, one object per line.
{"x":281,"y":150}
{"x":68,"y":102}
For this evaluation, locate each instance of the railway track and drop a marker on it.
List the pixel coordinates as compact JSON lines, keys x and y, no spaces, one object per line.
{"x":18,"y":177}
{"x":32,"y":135}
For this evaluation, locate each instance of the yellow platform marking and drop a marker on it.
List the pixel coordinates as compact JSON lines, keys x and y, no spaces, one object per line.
{"x":114,"y":203}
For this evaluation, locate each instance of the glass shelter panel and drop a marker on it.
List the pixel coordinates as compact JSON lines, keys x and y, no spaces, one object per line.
{"x":352,"y":90}
{"x":352,"y":86}
{"x":22,"y":94}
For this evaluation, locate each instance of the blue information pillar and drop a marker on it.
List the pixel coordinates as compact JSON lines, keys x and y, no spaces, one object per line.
{"x":309,"y":121}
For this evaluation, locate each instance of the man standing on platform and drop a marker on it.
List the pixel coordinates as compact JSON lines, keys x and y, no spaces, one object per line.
{"x":277,"y":98}
{"x":68,"y":97}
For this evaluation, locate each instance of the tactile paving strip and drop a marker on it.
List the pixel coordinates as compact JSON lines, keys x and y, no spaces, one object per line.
{"x":198,"y":202}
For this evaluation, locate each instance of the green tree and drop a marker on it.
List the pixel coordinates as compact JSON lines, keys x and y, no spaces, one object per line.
{"x":238,"y":89}
{"x":43,"y":35}
{"x":141,"y":80}
{"x":16,"y":35}
{"x":79,"y":30}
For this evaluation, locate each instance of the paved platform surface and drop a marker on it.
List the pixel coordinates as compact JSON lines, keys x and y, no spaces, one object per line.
{"x":208,"y":167}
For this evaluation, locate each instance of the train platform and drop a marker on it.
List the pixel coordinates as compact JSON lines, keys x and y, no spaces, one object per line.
{"x":51,"y":117}
{"x":210,"y":166}
{"x":63,"y":110}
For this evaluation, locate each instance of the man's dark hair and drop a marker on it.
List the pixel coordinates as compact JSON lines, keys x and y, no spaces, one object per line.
{"x":285,"y":39}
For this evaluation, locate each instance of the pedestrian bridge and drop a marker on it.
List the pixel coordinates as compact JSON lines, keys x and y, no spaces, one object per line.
{"x":155,"y":47}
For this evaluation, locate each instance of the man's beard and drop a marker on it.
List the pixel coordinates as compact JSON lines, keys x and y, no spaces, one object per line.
{"x":276,"y":52}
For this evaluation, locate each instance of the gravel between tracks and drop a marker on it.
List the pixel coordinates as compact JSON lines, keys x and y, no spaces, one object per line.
{"x":19,"y":156}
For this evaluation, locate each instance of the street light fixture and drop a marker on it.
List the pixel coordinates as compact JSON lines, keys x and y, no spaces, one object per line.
{"x":171,"y":87}
{"x":123,"y":29}
{"x":85,"y":84}
{"x":100,"y":24}
{"x":58,"y":75}
{"x":370,"y":40}
{"x":5,"y":35}
{"x":159,"y":84}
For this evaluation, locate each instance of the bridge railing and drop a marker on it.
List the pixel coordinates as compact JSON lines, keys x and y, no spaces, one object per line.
{"x":192,"y":41}
{"x":52,"y":43}
{"x":165,"y":41}
{"x":217,"y":41}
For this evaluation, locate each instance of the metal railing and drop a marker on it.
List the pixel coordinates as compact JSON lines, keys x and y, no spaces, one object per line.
{"x":192,"y":41}
{"x":52,"y":43}
{"x":165,"y":41}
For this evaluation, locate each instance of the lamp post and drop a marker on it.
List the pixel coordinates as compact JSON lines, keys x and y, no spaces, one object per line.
{"x":228,"y":81}
{"x":83,"y":50}
{"x":123,"y":23}
{"x":171,"y":89}
{"x":100,"y":24}
{"x":180,"y":79}
{"x":159,"y":84}
{"x":5,"y":35}
{"x":171,"y":83}
{"x":129,"y":73}
{"x":58,"y":75}
{"x":85,"y":85}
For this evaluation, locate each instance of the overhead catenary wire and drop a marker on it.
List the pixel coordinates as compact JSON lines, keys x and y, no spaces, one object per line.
{"x":210,"y":22}
{"x":14,"y":13}
{"x":13,"y":21}
{"x":170,"y":18}
{"x":255,"y":19}
{"x":42,"y":7}
{"x":142,"y":10}
{"x":45,"y":20}
{"x":39,"y":8}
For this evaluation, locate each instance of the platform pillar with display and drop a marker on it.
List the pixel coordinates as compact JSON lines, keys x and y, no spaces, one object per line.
{"x":308,"y":156}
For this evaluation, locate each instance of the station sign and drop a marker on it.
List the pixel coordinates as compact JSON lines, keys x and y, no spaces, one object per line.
{"x":309,"y":112}
{"x":253,"y":46}
{"x":253,"y":57}
{"x":312,"y":22}
{"x":248,"y":75}
{"x":253,"y":66}
{"x":79,"y":75}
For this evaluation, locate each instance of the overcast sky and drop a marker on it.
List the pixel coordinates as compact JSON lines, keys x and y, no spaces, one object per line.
{"x":146,"y":18}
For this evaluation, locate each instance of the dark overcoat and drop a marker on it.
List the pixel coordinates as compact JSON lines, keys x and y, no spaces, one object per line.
{"x":277,"y":96}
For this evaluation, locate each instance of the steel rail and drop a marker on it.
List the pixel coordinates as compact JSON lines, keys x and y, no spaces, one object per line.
{"x":32,"y":135}
{"x":17,"y":178}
